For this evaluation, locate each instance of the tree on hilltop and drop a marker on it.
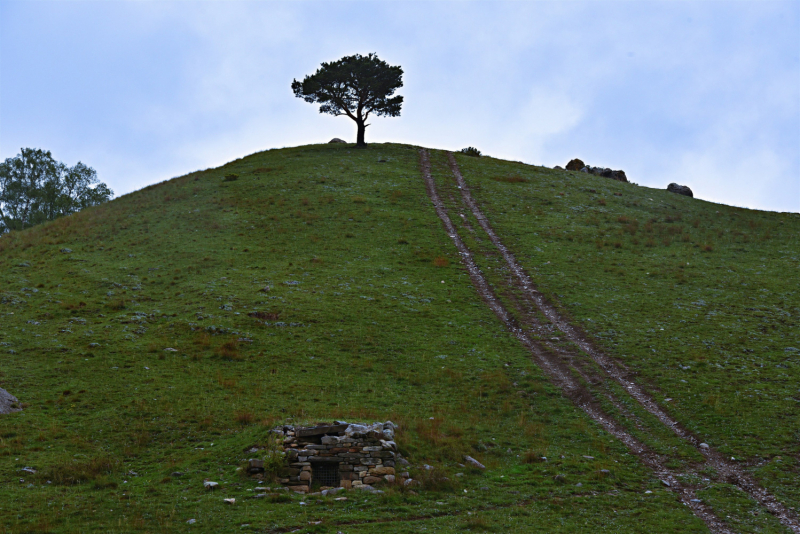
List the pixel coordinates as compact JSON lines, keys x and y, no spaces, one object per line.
{"x":35,"y":188}
{"x":356,"y":86}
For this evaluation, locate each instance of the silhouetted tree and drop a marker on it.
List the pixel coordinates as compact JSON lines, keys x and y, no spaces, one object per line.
{"x":35,"y":188}
{"x":356,"y":86}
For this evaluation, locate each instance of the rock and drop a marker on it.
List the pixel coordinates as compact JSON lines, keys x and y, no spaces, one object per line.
{"x":409,"y":482}
{"x":704,"y":446}
{"x":336,"y":140}
{"x":331,"y":491}
{"x":403,"y":461}
{"x":473,"y":462}
{"x":207,"y":484}
{"x":558,"y":168}
{"x":340,"y":499}
{"x":367,"y":487}
{"x":230,"y":501}
{"x":256,"y":466}
{"x":381,"y":470}
{"x":427,"y":467}
{"x":666,"y":483}
{"x":579,"y":484}
{"x":66,"y":250}
{"x":191,"y":521}
{"x":605,"y":173}
{"x":389,"y":478}
{"x":575,"y":165}
{"x":680,"y":189}
{"x":299,"y":489}
{"x":8,"y":402}
{"x":368,"y":480}
{"x":560,"y":479}
{"x":305,"y":476}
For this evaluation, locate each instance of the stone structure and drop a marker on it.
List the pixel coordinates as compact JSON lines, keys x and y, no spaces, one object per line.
{"x":680,"y":189}
{"x":346,"y":455}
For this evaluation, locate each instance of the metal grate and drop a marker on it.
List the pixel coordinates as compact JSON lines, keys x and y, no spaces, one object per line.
{"x":325,"y":474}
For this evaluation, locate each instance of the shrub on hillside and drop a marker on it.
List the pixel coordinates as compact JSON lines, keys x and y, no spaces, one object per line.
{"x":231,"y":177}
{"x":471,"y":151}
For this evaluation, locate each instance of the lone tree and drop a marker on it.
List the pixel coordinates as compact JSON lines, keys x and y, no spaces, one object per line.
{"x":355,"y":86}
{"x":35,"y":188}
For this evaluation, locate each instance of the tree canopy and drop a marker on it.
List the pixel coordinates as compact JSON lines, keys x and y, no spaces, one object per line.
{"x":35,"y":188}
{"x":356,"y":86}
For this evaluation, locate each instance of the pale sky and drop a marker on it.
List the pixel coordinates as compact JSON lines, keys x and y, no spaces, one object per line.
{"x":705,"y":94}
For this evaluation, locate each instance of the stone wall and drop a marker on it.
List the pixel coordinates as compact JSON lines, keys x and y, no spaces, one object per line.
{"x":346,"y":455}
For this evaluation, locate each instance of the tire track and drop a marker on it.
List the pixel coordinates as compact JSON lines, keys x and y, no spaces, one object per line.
{"x":729,"y":472}
{"x":561,"y":374}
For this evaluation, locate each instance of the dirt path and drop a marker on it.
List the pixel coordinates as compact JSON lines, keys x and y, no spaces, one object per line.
{"x":729,"y":472}
{"x":560,"y":372}
{"x":521,"y":281}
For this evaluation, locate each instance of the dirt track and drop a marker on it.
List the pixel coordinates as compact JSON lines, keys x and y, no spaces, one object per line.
{"x":562,"y":365}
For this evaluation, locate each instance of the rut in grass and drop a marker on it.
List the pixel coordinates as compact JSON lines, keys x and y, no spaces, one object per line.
{"x":728,"y":471}
{"x":562,"y":375}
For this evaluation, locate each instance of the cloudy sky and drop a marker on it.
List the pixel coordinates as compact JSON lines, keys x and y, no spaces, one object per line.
{"x":700,"y":93}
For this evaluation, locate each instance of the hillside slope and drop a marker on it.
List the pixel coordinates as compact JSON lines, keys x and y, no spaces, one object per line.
{"x":321,"y":285}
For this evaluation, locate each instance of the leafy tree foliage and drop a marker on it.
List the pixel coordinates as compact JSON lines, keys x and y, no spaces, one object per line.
{"x":35,"y":188}
{"x":356,"y":86}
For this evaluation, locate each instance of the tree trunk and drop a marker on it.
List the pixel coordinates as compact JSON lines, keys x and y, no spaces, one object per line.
{"x":360,"y":136}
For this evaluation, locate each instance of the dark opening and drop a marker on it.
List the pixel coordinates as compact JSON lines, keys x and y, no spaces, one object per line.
{"x":325,"y":474}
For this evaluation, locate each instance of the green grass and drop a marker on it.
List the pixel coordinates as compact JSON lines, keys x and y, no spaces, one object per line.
{"x":372,"y":317}
{"x":700,"y":300}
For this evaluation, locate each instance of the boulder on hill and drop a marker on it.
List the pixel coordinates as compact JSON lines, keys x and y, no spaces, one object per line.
{"x":8,"y":402}
{"x":680,"y":189}
{"x":575,"y":165}
{"x":606,"y":173}
{"x":337,"y":140}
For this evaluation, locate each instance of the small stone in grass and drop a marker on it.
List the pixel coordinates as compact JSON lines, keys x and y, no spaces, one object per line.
{"x":473,"y":462}
{"x":230,"y":501}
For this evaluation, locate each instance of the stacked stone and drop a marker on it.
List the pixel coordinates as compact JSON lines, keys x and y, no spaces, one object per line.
{"x":364,"y":454}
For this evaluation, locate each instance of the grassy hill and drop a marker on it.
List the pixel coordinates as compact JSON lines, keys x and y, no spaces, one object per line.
{"x":155,"y":339}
